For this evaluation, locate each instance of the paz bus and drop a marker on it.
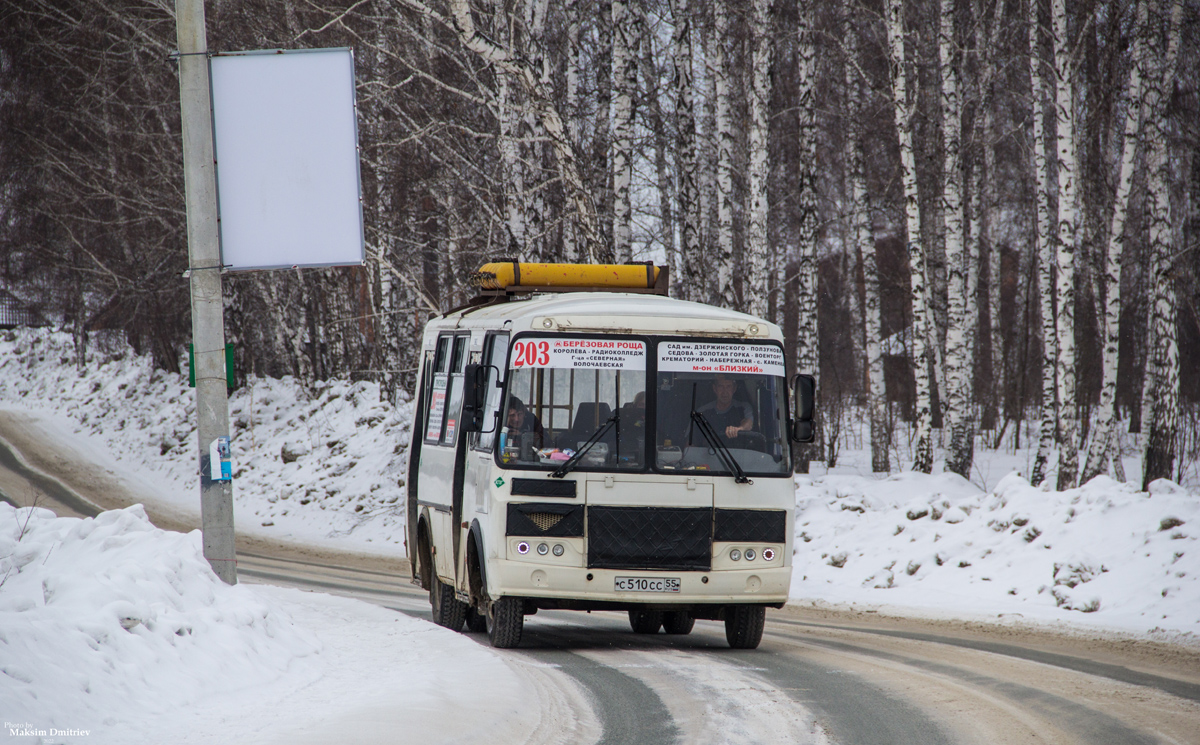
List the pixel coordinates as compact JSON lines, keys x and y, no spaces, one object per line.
{"x":584,"y":442}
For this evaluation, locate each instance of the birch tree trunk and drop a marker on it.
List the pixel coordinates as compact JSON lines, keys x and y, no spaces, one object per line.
{"x":864,"y":240}
{"x":756,"y":286}
{"x":957,"y":404}
{"x":707,"y":144}
{"x":535,"y":200}
{"x":807,"y":331}
{"x":923,"y":452}
{"x":658,"y":128}
{"x":689,"y":178}
{"x":574,"y":11}
{"x":726,"y":296}
{"x":1162,"y":405}
{"x":1101,"y":445}
{"x":1068,"y":168}
{"x":1042,"y":247}
{"x":512,"y":173}
{"x":624,"y":86}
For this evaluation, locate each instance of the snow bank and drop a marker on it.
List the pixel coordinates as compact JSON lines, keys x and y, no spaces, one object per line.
{"x":107,"y":617}
{"x":116,"y":632}
{"x":324,"y":466}
{"x":1104,"y":554}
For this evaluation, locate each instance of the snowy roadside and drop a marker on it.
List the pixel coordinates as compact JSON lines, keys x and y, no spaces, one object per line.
{"x":323,"y":469}
{"x":113,"y":631}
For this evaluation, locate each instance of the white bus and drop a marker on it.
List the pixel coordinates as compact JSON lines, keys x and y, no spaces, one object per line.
{"x":582,"y":442}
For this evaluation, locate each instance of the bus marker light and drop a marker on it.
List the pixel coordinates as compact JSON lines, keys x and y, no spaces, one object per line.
{"x":522,"y":548}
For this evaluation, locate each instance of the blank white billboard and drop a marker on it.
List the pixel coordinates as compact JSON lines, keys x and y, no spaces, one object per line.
{"x":286,"y":137}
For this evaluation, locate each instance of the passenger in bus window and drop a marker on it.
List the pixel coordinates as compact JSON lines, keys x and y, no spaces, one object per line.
{"x":521,"y":420}
{"x":727,"y":416}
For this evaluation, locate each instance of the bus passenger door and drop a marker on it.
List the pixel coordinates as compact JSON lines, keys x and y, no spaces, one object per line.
{"x":438,"y":461}
{"x":477,"y":478}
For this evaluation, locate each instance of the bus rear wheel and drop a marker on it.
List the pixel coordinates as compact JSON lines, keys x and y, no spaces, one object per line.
{"x":678,"y":622}
{"x":448,"y":611}
{"x":744,"y":625}
{"x":505,"y":621}
{"x":645,"y":621}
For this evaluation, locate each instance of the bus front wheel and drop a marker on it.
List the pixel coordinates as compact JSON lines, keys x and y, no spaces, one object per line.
{"x":505,"y":621}
{"x":744,"y":625}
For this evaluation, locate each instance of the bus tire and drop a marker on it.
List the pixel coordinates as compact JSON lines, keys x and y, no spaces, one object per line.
{"x":645,"y":621}
{"x":678,"y":622}
{"x":744,"y":625}
{"x":476,"y":622}
{"x":448,"y":611}
{"x":505,"y":621}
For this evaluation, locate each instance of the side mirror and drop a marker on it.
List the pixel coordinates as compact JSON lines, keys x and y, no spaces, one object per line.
{"x":805,"y":387}
{"x":473,"y":397}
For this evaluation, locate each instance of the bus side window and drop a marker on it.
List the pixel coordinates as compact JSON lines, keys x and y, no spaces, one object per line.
{"x":458,"y":362}
{"x":436,"y":396}
{"x":495,"y":354}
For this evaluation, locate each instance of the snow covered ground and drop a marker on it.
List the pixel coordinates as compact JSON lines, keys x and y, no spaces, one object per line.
{"x":114,"y":625}
{"x":113,"y":631}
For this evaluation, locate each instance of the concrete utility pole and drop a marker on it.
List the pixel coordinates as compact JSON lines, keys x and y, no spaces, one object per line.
{"x":204,"y":261}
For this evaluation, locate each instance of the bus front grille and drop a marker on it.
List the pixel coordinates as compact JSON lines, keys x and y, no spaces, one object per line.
{"x":650,"y":538}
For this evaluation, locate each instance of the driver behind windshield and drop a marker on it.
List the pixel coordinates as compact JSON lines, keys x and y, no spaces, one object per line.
{"x":727,"y":416}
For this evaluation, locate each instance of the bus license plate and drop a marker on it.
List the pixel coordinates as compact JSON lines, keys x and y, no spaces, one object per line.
{"x":647,"y":584}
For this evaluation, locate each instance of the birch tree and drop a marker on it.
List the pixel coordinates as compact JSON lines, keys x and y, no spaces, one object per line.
{"x":923,"y":450}
{"x":1043,"y":249}
{"x":689,"y":178}
{"x":1101,"y":444}
{"x":757,"y":282}
{"x":959,"y":456}
{"x":726,"y":296}
{"x":624,"y":36}
{"x":807,"y":331}
{"x":1162,"y":404}
{"x":864,"y":241}
{"x":1068,"y":167}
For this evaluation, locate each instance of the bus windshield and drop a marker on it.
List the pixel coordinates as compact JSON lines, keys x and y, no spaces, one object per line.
{"x":569,"y":394}
{"x":718,"y":401}
{"x":580,"y":403}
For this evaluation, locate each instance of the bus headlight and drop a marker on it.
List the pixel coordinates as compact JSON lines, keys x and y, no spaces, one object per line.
{"x":768,"y":554}
{"x":749,"y":554}
{"x":735,"y":554}
{"x":558,"y":549}
{"x":543,"y":549}
{"x":522,"y":548}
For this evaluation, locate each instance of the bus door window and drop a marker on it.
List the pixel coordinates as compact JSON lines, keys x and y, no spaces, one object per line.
{"x":495,"y":354}
{"x":458,"y":362}
{"x":438,"y":388}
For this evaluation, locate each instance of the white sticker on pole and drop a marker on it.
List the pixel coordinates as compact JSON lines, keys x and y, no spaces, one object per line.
{"x":579,"y":354}
{"x":704,"y":357}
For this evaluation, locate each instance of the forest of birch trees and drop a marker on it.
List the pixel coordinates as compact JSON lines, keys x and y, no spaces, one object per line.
{"x":976,"y":220}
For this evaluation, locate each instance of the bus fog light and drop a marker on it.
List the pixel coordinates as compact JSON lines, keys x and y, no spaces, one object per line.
{"x":558,"y":549}
{"x":522,"y":547}
{"x":749,"y":554}
{"x":543,"y":549}
{"x":735,"y":554}
{"x":768,"y":554}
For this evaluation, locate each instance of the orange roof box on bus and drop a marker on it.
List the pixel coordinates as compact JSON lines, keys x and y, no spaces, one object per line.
{"x":515,"y":277}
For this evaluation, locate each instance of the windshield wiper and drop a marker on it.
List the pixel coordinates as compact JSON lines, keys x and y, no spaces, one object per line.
{"x":570,"y":463}
{"x":719,"y":445}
